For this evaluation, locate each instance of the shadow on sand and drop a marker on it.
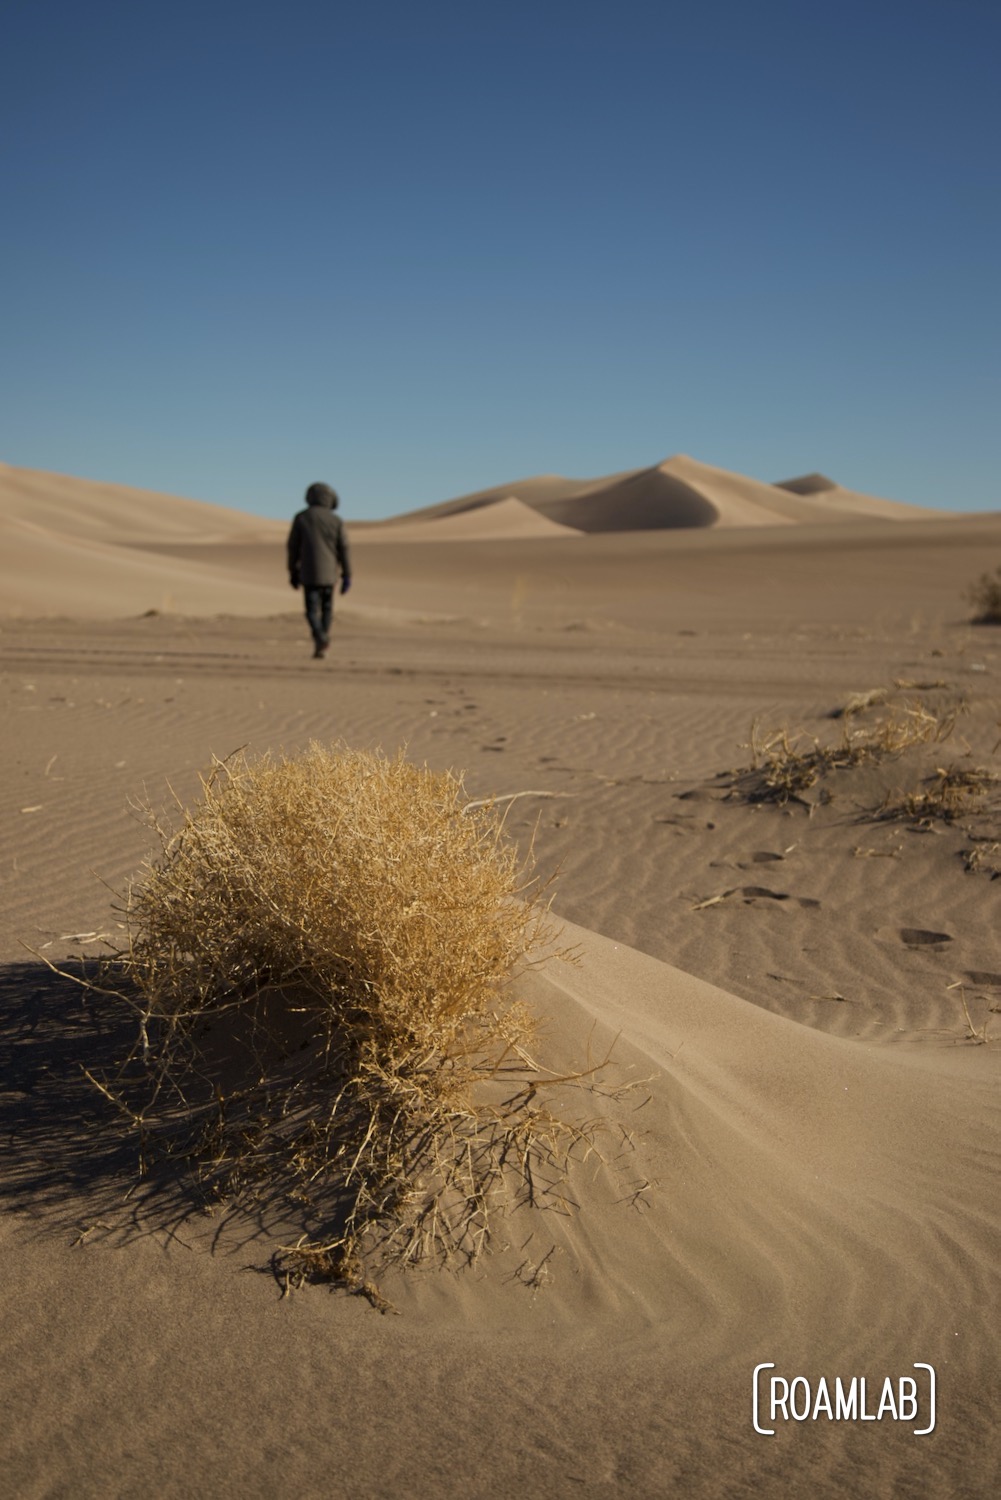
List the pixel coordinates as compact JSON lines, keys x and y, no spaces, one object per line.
{"x":73,"y":1161}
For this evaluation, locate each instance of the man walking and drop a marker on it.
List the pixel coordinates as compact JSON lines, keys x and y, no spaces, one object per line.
{"x":316,"y":551}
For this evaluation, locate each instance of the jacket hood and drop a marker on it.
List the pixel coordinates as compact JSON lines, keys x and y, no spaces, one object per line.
{"x":322,"y":494}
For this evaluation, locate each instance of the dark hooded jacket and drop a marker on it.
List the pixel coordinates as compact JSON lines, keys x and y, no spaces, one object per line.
{"x":317,"y":549}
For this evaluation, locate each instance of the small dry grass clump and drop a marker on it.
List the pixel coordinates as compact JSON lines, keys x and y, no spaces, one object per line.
{"x":950,"y":793}
{"x":319,"y":956}
{"x":985,"y":596}
{"x":785,"y":766}
{"x":983,"y":857}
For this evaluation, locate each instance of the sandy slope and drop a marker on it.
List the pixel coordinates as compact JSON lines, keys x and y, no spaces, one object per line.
{"x":789,"y":1197}
{"x":119,"y":514}
{"x":506,"y":519}
{"x":811,"y":1176}
{"x":745,"y":502}
{"x":77,"y":547}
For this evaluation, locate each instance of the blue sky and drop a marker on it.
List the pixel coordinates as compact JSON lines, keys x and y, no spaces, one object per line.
{"x":419,"y":250}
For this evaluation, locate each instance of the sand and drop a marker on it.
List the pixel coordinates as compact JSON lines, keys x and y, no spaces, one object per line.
{"x":812,"y":1179}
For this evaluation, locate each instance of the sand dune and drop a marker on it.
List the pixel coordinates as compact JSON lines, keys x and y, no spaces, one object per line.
{"x":77,"y":547}
{"x":680,"y":493}
{"x":119,"y":514}
{"x":746,"y":502}
{"x":48,"y":574}
{"x":832,"y":499}
{"x":811,"y":1195}
{"x":505,"y":519}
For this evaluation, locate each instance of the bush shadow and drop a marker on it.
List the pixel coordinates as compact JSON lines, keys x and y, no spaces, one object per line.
{"x":71,"y":1158}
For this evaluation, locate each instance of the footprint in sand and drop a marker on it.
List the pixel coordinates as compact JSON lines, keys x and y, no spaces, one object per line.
{"x":762,"y":857}
{"x":921,"y":937}
{"x":752,"y":893}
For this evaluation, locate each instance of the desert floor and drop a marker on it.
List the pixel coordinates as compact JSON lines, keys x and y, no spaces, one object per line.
{"x":809,"y":994}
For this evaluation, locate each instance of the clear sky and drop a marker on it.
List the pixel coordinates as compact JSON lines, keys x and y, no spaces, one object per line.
{"x":416,"y":250}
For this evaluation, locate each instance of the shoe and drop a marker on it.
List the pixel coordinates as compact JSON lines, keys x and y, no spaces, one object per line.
{"x":319,"y":652}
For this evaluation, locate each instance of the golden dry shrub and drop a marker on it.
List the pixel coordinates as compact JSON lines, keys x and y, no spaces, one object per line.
{"x":321,"y":956}
{"x":365,"y":878}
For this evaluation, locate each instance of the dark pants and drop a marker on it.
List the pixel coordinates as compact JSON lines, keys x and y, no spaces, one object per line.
{"x":319,"y":610}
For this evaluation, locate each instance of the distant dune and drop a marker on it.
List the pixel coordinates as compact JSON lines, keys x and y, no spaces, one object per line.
{"x":509,"y":519}
{"x":118,"y":514}
{"x":807,"y":484}
{"x":78,"y":547}
{"x":678,"y":494}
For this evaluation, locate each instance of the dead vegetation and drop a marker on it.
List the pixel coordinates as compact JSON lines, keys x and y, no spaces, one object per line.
{"x":858,"y":703}
{"x":319,"y":960}
{"x":978,"y":1034}
{"x":948,"y":794}
{"x":786,"y":765}
{"x":794,"y":767}
{"x":985,"y":596}
{"x":983,"y":857}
